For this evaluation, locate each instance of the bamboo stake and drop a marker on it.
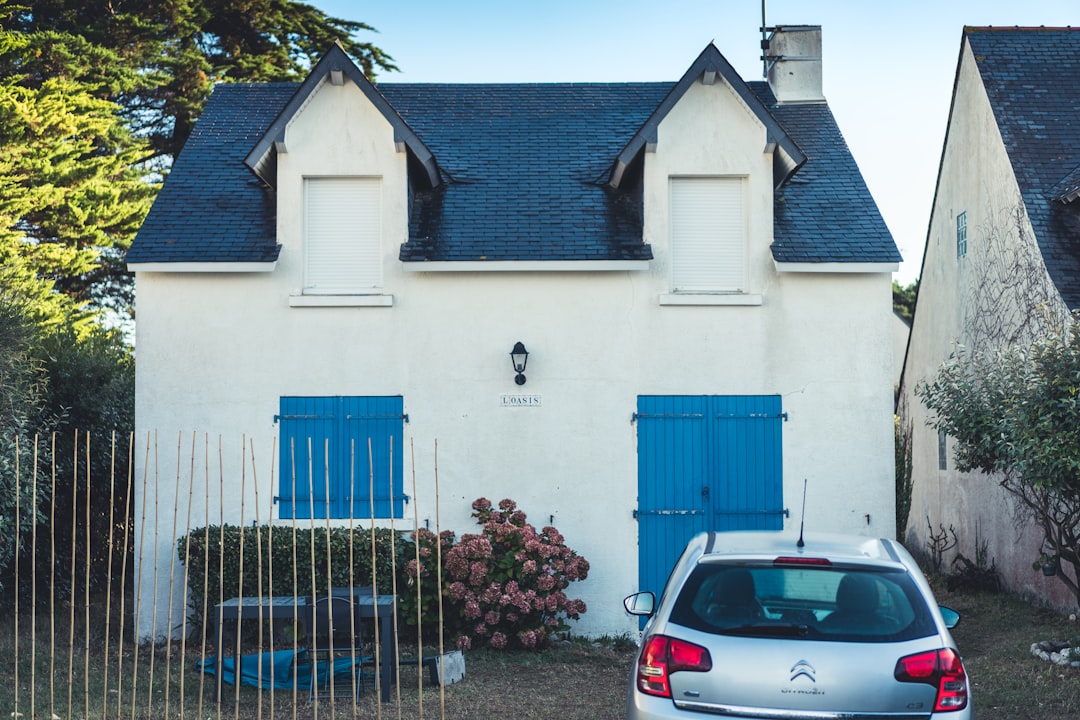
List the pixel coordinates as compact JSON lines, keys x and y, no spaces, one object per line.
{"x":240,"y":590}
{"x":18,"y":544}
{"x":154,"y":596}
{"x":184,"y":585}
{"x":108,"y":577}
{"x":71,"y":586}
{"x":311,"y":547}
{"x":357,"y":674}
{"x":394,"y":589}
{"x":206,"y":564}
{"x":296,"y":572}
{"x":438,"y":555}
{"x":123,"y":572}
{"x":258,"y":579}
{"x":172,"y":574}
{"x":329,"y":575}
{"x":419,"y":595}
{"x":374,"y":585}
{"x":52,"y":583}
{"x":270,"y":559}
{"x":33,"y":585}
{"x":139,"y":582}
{"x":221,"y":570}
{"x":86,"y":591}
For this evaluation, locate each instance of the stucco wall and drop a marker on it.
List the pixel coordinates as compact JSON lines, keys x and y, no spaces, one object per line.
{"x":215,"y":352}
{"x":982,"y":301}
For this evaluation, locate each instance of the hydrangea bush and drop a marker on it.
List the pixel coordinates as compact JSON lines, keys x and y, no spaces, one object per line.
{"x":504,"y":587}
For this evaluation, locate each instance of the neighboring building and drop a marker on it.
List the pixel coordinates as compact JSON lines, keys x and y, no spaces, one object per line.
{"x":696,"y":268}
{"x":1002,"y":263}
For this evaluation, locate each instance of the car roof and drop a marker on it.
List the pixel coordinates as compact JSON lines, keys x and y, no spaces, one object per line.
{"x":771,"y":544}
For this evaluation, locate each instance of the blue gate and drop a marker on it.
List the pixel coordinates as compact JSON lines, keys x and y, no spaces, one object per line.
{"x":705,"y":462}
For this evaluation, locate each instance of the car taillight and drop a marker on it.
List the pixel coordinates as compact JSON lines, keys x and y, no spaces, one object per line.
{"x":941,"y":668}
{"x":661,"y":656}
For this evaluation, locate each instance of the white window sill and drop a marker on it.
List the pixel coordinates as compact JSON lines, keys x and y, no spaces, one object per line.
{"x":740,"y":299}
{"x":341,"y":301}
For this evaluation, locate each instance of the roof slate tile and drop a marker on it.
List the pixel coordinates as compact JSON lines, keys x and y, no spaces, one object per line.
{"x":1032,"y":80}
{"x":525,"y":170}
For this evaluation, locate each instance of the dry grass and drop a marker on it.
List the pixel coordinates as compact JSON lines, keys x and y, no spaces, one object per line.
{"x":579,"y":680}
{"x":1008,"y":683}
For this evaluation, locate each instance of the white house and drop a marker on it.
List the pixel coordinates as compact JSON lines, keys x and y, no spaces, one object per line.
{"x":696,"y":269}
{"x":1002,"y":264}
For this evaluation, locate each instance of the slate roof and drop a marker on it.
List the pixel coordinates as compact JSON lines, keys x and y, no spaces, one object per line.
{"x":211,"y":207}
{"x":1032,"y":79}
{"x":527,"y":168}
{"x":825,"y":212}
{"x":523,"y":172}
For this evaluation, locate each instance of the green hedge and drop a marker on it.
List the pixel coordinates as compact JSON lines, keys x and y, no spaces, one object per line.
{"x":212,"y":557}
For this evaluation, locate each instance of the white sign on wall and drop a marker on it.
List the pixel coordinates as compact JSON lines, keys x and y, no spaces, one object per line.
{"x":507,"y":400}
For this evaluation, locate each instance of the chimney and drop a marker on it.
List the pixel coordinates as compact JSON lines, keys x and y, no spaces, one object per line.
{"x":792,"y":56}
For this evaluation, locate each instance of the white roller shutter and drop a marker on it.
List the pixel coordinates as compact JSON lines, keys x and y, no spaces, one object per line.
{"x":708,"y":235}
{"x":343,"y":235}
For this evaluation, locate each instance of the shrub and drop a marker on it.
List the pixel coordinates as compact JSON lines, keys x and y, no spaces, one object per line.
{"x":212,"y":558}
{"x":504,"y":587}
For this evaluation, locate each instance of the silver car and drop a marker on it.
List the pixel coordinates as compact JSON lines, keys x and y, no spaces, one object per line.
{"x":778,"y":626}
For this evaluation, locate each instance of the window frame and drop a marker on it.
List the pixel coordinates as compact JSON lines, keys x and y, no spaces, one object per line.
{"x":342,"y":229}
{"x":961,"y":235}
{"x":708,"y":239}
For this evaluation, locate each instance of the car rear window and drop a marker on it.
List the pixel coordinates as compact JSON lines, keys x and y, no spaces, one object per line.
{"x":806,"y":601}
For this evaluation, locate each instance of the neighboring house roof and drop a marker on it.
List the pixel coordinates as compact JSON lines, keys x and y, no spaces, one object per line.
{"x":1032,"y":79}
{"x":506,"y":172}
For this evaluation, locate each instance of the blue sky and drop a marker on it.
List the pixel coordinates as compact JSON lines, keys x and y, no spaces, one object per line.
{"x":888,"y":67}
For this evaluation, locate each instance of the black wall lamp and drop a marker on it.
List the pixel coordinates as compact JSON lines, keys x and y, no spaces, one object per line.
{"x":519,"y":356}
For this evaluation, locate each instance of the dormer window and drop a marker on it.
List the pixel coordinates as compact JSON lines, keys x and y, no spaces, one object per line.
{"x":342,"y":235}
{"x":708,"y":235}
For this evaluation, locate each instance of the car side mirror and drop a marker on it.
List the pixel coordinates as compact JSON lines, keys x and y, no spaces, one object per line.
{"x":642,"y":603}
{"x":950,"y":616}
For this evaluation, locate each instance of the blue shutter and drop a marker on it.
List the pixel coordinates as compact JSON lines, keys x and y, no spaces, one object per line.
{"x":308,"y":428}
{"x":747,"y":461}
{"x":325,"y":472}
{"x":705,"y":462}
{"x":672,"y":472}
{"x":378,"y":419}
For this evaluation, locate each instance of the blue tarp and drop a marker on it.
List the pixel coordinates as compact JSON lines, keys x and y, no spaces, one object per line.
{"x":277,"y":670}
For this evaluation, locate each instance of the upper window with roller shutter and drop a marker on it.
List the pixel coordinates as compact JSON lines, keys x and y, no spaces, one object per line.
{"x":708,"y":235}
{"x":342,"y":236}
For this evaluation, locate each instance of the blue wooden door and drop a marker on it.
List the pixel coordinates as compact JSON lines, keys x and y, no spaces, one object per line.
{"x":705,"y":462}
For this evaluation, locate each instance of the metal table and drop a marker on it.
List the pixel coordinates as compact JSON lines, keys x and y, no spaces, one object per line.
{"x":282,"y":607}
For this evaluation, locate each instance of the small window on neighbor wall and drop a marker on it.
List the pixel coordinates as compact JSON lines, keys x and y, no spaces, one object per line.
{"x":961,"y":235}
{"x":942,"y":451}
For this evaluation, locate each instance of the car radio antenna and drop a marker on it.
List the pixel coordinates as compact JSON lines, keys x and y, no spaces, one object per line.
{"x":802,"y":520}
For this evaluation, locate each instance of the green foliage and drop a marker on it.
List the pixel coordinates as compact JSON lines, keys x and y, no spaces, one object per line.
{"x":1017,"y":412}
{"x":904,"y":482}
{"x":277,"y":560}
{"x":91,"y":392}
{"x":21,"y":413}
{"x":70,"y":186}
{"x":903,"y":299}
{"x":178,"y":50}
{"x":504,"y":587}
